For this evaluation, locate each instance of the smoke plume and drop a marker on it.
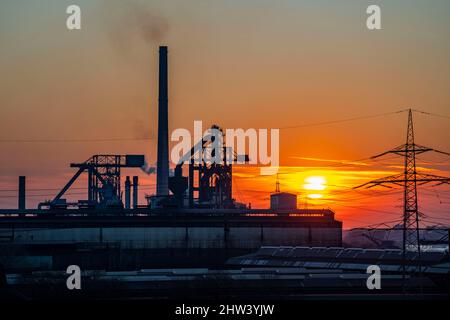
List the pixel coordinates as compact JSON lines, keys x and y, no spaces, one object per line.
{"x":133,"y":21}
{"x":148,"y":168}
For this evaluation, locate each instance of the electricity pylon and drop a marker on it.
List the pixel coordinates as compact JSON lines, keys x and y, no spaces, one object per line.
{"x":409,"y":180}
{"x":277,"y":185}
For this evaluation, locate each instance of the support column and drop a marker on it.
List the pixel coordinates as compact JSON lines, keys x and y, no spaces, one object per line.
{"x":21,"y":202}
{"x":135,"y":192}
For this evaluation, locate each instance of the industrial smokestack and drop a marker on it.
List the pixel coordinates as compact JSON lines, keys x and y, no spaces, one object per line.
{"x":162,"y":171}
{"x":22,"y":193}
{"x":135,"y":192}
{"x":127,"y":192}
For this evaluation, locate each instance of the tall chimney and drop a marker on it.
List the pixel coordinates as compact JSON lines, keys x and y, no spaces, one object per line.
{"x":21,"y":192}
{"x":162,"y":171}
{"x":127,"y":192}
{"x":135,"y":192}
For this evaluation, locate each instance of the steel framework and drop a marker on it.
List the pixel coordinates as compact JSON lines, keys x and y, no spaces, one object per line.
{"x":103,"y":179}
{"x":209,"y":185}
{"x":409,"y":180}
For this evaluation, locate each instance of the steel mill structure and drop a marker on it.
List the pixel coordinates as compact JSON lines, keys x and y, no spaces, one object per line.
{"x":192,"y":238}
{"x":191,"y":221}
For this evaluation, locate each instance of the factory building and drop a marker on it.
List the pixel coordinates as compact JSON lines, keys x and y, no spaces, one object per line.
{"x":191,"y":219}
{"x":188,"y":238}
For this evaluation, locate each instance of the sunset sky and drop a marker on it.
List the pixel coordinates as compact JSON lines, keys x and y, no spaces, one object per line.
{"x":287,"y":64}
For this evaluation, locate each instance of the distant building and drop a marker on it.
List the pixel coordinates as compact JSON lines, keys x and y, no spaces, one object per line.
{"x":283,"y":200}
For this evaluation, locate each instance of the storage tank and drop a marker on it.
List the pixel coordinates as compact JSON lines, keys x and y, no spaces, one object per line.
{"x":283,"y":200}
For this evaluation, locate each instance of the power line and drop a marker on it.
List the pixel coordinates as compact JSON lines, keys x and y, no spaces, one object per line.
{"x":147,"y":139}
{"x":71,"y":140}
{"x":367,"y":209}
{"x":431,"y":114}
{"x":38,"y":189}
{"x":409,"y":179}
{"x":376,"y":225}
{"x":343,"y":120}
{"x":141,"y":187}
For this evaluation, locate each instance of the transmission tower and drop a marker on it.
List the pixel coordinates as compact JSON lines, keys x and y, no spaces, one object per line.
{"x":277,"y":185}
{"x":409,"y":180}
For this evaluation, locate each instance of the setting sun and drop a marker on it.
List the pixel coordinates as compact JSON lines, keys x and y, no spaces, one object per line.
{"x":316,"y":184}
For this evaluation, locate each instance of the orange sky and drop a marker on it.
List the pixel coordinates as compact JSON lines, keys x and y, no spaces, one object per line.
{"x":249,"y":64}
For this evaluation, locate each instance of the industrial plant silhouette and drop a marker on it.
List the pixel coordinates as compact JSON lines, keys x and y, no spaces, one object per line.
{"x":193,"y":237}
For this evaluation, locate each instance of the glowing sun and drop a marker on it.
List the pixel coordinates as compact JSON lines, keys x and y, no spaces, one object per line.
{"x":315,"y":184}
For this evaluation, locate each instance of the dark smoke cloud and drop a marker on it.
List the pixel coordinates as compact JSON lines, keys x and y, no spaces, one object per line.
{"x":151,"y":27}
{"x":151,"y":169}
{"x":148,"y":168}
{"x":132,"y":21}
